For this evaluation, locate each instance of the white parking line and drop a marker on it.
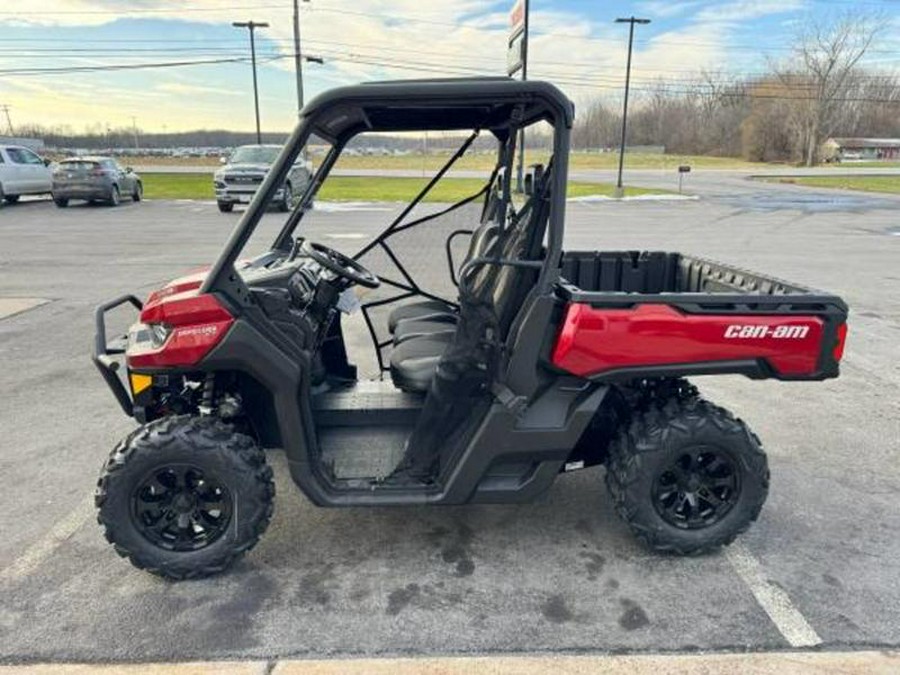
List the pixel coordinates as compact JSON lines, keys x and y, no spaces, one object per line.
{"x":38,"y":552}
{"x":776,"y":603}
{"x":13,"y":306}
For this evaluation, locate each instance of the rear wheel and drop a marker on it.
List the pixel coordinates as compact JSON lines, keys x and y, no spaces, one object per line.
{"x":115,"y":197}
{"x":11,"y":199}
{"x":2,"y":198}
{"x":183,"y":497}
{"x":61,"y":202}
{"x":138,"y":193}
{"x":687,"y":477}
{"x":225,"y":207}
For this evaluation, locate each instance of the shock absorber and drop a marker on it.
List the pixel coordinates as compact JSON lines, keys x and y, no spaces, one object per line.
{"x":207,"y":400}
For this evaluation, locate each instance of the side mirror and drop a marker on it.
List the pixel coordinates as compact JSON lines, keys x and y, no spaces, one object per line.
{"x":128,"y":169}
{"x":47,"y":162}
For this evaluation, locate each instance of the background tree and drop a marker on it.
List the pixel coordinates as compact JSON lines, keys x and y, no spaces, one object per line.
{"x":826,"y":55}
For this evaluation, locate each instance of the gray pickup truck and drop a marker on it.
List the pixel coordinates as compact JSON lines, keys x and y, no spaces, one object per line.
{"x":244,"y":171}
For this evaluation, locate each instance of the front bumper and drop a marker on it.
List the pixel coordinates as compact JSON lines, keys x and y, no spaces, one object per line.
{"x":234,"y":195}
{"x":104,"y":351}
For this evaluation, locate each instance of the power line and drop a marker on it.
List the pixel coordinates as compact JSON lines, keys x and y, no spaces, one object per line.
{"x":659,"y":40}
{"x":387,"y":62}
{"x":120,"y":66}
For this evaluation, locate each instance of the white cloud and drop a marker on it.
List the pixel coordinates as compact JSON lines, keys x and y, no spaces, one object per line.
{"x":747,"y":9}
{"x":664,"y":9}
{"x":382,"y":39}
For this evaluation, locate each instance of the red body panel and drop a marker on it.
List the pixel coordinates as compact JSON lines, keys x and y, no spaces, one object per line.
{"x":593,"y":341}
{"x":198,"y":323}
{"x":189,"y":282}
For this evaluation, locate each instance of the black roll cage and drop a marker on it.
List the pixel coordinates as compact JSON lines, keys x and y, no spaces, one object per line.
{"x":500,"y":105}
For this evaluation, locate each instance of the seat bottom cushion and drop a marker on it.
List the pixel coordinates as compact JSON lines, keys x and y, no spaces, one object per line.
{"x":428,"y":325}
{"x":417,"y":310}
{"x":414,"y":361}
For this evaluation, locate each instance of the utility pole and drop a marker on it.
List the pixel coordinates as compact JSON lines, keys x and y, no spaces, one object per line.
{"x":620,"y":191}
{"x":520,"y":169}
{"x":252,"y":26}
{"x":5,"y":108}
{"x":134,"y":131}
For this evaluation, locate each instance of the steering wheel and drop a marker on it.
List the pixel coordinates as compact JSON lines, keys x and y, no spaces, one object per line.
{"x":343,"y":266}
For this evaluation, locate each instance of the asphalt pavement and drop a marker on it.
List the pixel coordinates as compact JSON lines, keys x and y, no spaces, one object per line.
{"x":820,"y":569}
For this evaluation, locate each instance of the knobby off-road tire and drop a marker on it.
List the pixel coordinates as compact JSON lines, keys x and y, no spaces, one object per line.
{"x":287,"y":199}
{"x":205,"y":452}
{"x":648,"y":462}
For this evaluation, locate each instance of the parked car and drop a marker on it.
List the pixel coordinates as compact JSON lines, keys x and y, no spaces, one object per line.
{"x":244,"y":171}
{"x":22,"y":172}
{"x":95,"y":179}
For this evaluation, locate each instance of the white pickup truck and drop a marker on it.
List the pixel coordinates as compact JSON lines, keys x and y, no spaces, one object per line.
{"x":23,"y":172}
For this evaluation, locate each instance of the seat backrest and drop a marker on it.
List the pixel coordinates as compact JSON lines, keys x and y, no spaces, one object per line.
{"x":505,"y":287}
{"x":512,"y":284}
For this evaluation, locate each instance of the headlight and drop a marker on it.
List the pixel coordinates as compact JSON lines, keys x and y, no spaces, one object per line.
{"x":159,"y":333}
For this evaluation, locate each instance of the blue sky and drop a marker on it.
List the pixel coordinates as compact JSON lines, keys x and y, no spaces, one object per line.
{"x":575,"y":43}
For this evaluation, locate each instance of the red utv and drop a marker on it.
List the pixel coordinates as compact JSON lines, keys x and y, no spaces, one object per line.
{"x":522,"y":362}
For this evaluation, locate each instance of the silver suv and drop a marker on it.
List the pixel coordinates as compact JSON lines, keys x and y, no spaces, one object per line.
{"x":242,"y":174}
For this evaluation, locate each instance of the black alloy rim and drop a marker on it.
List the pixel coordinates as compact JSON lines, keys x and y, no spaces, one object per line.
{"x":697,"y":489}
{"x":180,"y":507}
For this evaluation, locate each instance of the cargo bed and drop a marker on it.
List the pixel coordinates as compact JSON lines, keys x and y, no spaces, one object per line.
{"x":644,"y":314}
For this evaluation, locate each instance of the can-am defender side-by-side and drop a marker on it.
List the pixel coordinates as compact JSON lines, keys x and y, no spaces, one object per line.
{"x":539,"y":361}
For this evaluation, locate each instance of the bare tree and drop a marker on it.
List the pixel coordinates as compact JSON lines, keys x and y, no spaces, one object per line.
{"x":827,"y":53}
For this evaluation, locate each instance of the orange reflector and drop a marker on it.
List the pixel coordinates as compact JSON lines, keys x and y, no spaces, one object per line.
{"x":140,"y":382}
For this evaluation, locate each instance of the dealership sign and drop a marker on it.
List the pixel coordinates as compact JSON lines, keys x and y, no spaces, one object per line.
{"x":517,"y":19}
{"x":515,"y":56}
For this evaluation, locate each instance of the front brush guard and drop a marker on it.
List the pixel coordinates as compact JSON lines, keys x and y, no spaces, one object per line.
{"x":103,"y":351}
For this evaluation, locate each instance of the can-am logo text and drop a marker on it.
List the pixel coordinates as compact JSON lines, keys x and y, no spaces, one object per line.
{"x":778,"y":332}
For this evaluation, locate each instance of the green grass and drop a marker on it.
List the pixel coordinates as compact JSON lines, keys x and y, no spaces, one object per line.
{"x":178,"y":186}
{"x":361,"y":188}
{"x":577,"y":160}
{"x":484,"y":161}
{"x":887,"y":184}
{"x":863,"y":165}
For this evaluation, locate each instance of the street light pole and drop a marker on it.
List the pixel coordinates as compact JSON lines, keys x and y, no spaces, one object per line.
{"x":252,"y":26}
{"x":620,"y":191}
{"x":520,"y":169}
{"x":298,"y":60}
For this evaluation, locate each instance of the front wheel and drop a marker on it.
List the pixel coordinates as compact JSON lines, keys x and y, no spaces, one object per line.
{"x":11,"y":199}
{"x":61,"y":202}
{"x":287,"y":199}
{"x":138,"y":193}
{"x":115,"y":197}
{"x":183,"y":497}
{"x":225,"y":207}
{"x":687,"y":477}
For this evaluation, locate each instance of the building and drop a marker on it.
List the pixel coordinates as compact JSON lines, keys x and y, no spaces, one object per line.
{"x":862,"y":149}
